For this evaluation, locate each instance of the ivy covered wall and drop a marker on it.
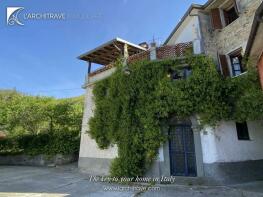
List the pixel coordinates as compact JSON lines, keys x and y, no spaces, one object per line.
{"x":130,"y":107}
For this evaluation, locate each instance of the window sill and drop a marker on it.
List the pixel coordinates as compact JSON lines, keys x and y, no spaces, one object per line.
{"x":249,"y":140}
{"x":228,"y":26}
{"x":244,"y":73}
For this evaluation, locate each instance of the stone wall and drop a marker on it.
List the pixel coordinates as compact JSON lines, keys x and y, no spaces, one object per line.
{"x":234,"y":35}
{"x":38,"y":160}
{"x":260,"y":70}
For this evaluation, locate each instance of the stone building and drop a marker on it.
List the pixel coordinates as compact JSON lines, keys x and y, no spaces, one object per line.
{"x":230,"y":151}
{"x":221,"y":29}
{"x":254,"y":49}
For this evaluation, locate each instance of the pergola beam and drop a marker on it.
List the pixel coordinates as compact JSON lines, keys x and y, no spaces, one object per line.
{"x":110,"y":51}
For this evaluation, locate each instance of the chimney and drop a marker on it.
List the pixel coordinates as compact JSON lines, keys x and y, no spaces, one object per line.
{"x":144,"y":45}
{"x":153,"y":44}
{"x":153,"y":51}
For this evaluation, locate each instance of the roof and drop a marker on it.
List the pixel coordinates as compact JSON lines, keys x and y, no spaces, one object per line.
{"x":255,"y":40}
{"x":110,"y":51}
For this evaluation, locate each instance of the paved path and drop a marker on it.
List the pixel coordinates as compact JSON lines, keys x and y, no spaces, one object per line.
{"x":67,"y":181}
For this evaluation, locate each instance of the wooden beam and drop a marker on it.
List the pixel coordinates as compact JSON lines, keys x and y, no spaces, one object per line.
{"x":102,"y":57}
{"x":110,"y":53}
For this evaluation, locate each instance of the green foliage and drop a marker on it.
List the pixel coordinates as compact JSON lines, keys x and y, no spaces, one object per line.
{"x":131,"y":108}
{"x":43,"y":143}
{"x":22,"y":114}
{"x":39,"y":125}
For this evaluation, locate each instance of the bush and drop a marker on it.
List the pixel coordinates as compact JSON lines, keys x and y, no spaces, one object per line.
{"x":43,"y":143}
{"x":22,"y":114}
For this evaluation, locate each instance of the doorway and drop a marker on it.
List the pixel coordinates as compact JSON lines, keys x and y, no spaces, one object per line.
{"x":182,"y":150}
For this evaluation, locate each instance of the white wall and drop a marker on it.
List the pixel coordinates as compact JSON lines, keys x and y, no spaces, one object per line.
{"x":88,"y":146}
{"x":189,"y":31}
{"x":221,"y":144}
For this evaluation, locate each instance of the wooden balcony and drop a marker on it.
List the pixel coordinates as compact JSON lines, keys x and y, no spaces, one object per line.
{"x":108,"y":53}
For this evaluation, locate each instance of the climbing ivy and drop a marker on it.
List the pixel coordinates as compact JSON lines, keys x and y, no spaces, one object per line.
{"x":130,"y":108}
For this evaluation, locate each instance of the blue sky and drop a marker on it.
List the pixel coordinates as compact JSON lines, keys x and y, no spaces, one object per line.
{"x":39,"y":58}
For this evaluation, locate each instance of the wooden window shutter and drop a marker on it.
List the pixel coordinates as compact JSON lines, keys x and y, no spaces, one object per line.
{"x":226,"y":18}
{"x":224,"y":65}
{"x":216,"y":19}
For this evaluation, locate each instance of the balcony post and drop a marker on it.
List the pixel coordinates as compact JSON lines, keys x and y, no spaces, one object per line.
{"x":89,"y":67}
{"x":125,"y":54}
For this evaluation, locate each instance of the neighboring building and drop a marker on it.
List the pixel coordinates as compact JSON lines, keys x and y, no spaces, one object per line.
{"x":254,"y":48}
{"x":221,"y":29}
{"x":229,"y":151}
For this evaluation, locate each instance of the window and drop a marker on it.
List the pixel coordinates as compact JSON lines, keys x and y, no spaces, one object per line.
{"x":230,"y":15}
{"x":242,"y":131}
{"x":187,"y":72}
{"x":180,"y":74}
{"x":225,"y":14}
{"x":236,"y":63}
{"x":174,"y":74}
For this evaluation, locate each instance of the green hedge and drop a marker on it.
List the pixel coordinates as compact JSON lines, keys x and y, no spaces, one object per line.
{"x":43,"y":143}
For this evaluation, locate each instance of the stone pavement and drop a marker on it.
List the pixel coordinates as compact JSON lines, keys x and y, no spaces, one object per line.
{"x":63,"y":181}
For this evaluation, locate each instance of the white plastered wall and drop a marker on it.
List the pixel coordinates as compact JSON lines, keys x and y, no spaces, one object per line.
{"x":189,"y":31}
{"x":221,"y":144}
{"x":88,"y":146}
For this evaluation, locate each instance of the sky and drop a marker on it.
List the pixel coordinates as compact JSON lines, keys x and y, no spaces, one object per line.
{"x":40,"y":57}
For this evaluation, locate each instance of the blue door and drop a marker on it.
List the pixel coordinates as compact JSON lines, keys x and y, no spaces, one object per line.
{"x":182,"y":151}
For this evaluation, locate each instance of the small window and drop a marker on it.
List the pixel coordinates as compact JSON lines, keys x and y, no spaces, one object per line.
{"x":174,"y":75}
{"x":242,"y":131}
{"x":236,"y":63}
{"x":230,"y":15}
{"x":184,"y":73}
{"x":187,"y":72}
